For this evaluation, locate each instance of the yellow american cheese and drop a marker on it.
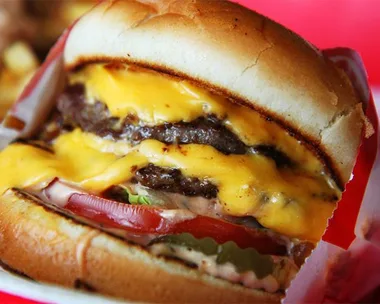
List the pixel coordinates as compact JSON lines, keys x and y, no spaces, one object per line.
{"x":243,"y":180}
{"x":156,"y":99}
{"x":286,"y":200}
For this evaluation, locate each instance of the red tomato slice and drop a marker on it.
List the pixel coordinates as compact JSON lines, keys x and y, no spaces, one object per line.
{"x":144,"y":219}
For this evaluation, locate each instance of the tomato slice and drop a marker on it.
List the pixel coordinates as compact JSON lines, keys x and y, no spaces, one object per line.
{"x":146,"y":219}
{"x":134,"y":218}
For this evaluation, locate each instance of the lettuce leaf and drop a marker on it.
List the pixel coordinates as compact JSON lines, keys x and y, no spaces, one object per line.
{"x":136,"y":199}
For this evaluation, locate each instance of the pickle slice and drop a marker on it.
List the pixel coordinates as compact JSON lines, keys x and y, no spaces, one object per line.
{"x":243,"y":259}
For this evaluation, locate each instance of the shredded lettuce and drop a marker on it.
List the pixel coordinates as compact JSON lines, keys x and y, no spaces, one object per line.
{"x":136,"y":199}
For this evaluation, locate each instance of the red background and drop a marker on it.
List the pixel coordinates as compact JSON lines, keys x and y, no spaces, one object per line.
{"x":9,"y":299}
{"x":331,"y":23}
{"x":325,"y":23}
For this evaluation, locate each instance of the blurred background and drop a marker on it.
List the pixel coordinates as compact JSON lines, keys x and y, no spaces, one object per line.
{"x":28,"y":28}
{"x":331,"y":23}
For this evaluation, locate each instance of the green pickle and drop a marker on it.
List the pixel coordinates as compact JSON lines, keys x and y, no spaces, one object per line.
{"x":244,"y":259}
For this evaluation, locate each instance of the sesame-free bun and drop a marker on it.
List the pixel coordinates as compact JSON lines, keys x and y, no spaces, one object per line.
{"x":49,"y":247}
{"x":229,"y":48}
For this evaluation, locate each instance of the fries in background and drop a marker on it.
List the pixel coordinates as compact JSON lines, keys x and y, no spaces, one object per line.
{"x":28,"y":28}
{"x":18,"y":65}
{"x":15,"y":23}
{"x":52,"y":17}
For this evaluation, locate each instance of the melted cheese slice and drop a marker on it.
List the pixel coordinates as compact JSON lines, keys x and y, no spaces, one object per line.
{"x":284,"y":201}
{"x":155,"y":98}
{"x":289,"y":201}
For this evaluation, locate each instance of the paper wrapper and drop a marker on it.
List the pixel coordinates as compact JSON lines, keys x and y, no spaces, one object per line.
{"x":345,"y":265}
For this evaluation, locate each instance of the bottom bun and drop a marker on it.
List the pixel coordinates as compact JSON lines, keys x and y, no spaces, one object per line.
{"x":50,"y":247}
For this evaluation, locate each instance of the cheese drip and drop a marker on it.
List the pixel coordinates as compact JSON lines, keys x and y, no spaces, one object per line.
{"x":285,"y":201}
{"x":155,"y":99}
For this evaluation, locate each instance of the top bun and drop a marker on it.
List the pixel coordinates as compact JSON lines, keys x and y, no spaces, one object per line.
{"x":238,"y":52}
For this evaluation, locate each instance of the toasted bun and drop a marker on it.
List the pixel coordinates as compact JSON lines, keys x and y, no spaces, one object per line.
{"x":49,"y":247}
{"x":239,"y":52}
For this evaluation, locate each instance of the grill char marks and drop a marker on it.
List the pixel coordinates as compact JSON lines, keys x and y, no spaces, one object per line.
{"x":72,"y":111}
{"x":204,"y":130}
{"x":75,"y":112}
{"x":172,"y":180}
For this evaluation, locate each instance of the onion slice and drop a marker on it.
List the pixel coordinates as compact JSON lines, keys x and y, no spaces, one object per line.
{"x":58,"y":193}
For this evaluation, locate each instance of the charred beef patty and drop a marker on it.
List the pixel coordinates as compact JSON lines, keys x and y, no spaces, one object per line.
{"x":172,"y":180}
{"x":167,"y":180}
{"x":72,"y":111}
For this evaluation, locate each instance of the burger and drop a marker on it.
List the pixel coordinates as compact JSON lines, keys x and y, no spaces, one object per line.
{"x":194,"y":153}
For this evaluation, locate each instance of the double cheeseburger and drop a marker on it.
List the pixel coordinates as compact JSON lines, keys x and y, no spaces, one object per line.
{"x":195,"y":154}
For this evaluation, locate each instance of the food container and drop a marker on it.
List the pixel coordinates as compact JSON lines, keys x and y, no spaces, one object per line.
{"x":343,"y":267}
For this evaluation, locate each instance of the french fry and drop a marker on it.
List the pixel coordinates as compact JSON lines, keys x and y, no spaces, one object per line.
{"x":19,"y":64}
{"x":19,"y":58}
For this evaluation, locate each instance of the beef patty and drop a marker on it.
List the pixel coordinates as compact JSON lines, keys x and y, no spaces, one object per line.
{"x":172,"y":180}
{"x":73,"y":111}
